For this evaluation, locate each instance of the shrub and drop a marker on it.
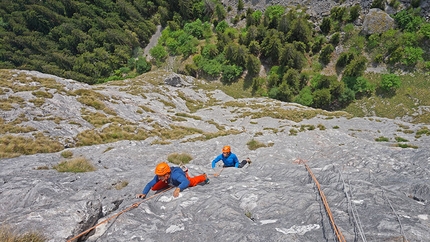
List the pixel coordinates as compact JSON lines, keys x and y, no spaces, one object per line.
{"x":75,"y":165}
{"x":179,"y":158}
{"x":390,"y":82}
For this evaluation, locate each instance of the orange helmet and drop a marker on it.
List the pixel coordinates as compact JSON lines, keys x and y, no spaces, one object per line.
{"x":162,"y":169}
{"x":226,"y":149}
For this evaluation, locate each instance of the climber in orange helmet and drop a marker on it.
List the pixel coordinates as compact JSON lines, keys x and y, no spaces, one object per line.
{"x":166,"y":176}
{"x":229,"y":159}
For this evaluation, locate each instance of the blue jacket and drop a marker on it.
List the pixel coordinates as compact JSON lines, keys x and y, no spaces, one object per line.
{"x":230,"y":160}
{"x":177,"y":179}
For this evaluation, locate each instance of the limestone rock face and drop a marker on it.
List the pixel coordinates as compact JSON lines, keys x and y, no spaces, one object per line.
{"x":375,"y":190}
{"x":377,"y":21}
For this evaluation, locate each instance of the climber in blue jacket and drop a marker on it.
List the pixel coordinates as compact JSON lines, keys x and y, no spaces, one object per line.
{"x":229,"y":159}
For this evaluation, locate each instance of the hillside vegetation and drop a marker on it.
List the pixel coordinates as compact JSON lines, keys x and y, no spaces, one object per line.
{"x":278,"y":52}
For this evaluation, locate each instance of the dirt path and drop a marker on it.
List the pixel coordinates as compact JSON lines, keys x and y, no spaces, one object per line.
{"x":152,"y":42}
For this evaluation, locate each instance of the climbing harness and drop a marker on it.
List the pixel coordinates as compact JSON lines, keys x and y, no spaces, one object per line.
{"x":135,"y":205}
{"x":339,"y":235}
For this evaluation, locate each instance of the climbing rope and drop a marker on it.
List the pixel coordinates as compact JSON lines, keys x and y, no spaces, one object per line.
{"x":392,"y":208}
{"x":135,"y":205}
{"x":339,"y":235}
{"x":353,"y":209}
{"x":219,"y":173}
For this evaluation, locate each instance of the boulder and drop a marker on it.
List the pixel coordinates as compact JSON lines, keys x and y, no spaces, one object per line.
{"x":377,"y":21}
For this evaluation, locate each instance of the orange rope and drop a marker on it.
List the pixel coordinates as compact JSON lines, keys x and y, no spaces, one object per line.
{"x":135,"y":205}
{"x":219,"y":173}
{"x":339,"y":235}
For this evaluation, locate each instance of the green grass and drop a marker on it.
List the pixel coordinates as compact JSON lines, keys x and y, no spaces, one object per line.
{"x":400,"y":139}
{"x":120,"y":185}
{"x":406,"y":146}
{"x":179,"y":158}
{"x":382,"y":139}
{"x":14,"y":146}
{"x":75,"y":165}
{"x":7,"y":234}
{"x":255,"y":144}
{"x":67,"y":154}
{"x":413,"y":92}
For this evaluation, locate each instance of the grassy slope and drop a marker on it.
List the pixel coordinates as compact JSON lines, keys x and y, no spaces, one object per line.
{"x":414,"y":92}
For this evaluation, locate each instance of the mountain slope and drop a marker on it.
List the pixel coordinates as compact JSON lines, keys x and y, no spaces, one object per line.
{"x":376,"y":190}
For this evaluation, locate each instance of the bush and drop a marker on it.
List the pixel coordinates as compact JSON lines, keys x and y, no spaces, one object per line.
{"x":390,"y":82}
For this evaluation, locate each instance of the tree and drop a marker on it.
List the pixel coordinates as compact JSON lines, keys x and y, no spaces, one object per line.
{"x":272,"y":46}
{"x":325,"y":55}
{"x":356,"y":67}
{"x":359,"y":85}
{"x":378,"y":4}
{"x":220,"y":12}
{"x":272,"y":15}
{"x":291,"y":77}
{"x":254,"y":48}
{"x":283,"y":25}
{"x":251,"y":34}
{"x":321,"y":98}
{"x":326,"y":25}
{"x":240,"y":5}
{"x":253,"y":65}
{"x":300,"y":31}
{"x":230,"y":72}
{"x":305,"y":97}
{"x":221,"y":26}
{"x":354,"y":12}
{"x":159,"y":53}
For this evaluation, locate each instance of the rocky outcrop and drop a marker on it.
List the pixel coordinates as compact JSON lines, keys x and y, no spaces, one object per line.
{"x":376,"y":191}
{"x":318,"y":9}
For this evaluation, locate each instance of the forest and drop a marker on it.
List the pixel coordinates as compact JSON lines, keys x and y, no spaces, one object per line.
{"x":102,"y":40}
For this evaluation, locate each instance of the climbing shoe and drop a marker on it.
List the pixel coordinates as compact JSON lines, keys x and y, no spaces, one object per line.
{"x":207,"y":179}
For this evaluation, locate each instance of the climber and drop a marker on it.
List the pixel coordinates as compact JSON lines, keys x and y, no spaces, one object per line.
{"x":229,"y":159}
{"x":166,"y":176}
